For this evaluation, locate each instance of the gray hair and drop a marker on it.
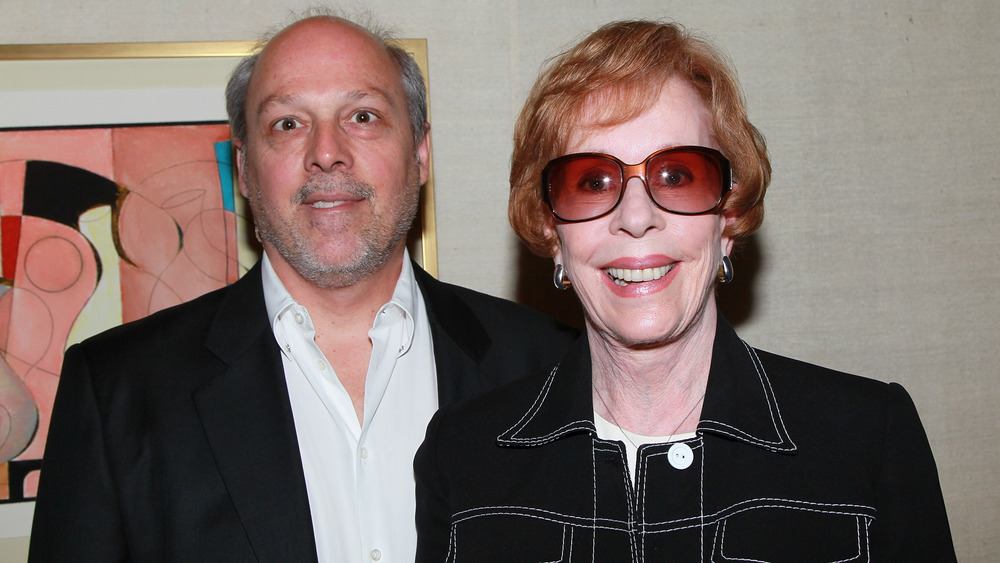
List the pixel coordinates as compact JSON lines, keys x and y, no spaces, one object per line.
{"x":413,"y":79}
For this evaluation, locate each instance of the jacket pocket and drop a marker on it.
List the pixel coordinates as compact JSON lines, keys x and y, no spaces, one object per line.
{"x":779,"y":531}
{"x":510,"y":534}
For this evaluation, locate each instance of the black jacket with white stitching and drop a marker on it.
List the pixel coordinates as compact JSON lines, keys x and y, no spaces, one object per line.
{"x":792,"y":462}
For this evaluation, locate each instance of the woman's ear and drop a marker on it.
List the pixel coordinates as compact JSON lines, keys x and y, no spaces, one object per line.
{"x":727,"y":245}
{"x":731,"y":214}
{"x":729,"y":217}
{"x":552,"y":234}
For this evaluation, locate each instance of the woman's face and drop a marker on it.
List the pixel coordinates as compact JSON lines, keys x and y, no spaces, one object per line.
{"x":684,"y":251}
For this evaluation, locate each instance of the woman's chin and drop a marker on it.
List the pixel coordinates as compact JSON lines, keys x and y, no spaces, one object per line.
{"x":638,"y":335}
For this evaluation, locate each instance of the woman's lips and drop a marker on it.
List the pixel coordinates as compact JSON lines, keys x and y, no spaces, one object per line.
{"x":625,"y":276}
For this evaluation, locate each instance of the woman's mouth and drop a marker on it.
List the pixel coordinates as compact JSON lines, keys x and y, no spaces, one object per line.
{"x":625,"y":276}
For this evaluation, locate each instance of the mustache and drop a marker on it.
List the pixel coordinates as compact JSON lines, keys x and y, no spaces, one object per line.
{"x":338,"y":182}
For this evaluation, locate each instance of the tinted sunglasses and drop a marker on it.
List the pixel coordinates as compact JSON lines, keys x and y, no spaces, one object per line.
{"x":685,"y":180}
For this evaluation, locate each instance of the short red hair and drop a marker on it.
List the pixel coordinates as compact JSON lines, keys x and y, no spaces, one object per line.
{"x":624,"y":65}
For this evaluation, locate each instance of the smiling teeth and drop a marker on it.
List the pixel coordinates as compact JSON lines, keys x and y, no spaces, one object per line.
{"x":622,"y":276}
{"x":326,"y":204}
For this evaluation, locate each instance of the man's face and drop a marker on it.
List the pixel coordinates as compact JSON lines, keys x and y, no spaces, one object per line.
{"x":329,"y":164}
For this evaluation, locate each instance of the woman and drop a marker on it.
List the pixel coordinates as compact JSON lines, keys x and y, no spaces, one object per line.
{"x":663,"y":436}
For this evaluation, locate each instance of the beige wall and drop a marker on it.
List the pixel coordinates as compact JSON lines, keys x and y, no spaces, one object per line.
{"x":879,"y":251}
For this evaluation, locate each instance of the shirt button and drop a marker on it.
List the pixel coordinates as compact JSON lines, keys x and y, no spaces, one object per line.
{"x":376,"y":554}
{"x":321,"y":364}
{"x":680,"y":456}
{"x":364,"y":455}
{"x":299,"y":318}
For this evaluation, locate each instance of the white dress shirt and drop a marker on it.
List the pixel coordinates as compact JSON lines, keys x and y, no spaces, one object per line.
{"x":359,"y":476}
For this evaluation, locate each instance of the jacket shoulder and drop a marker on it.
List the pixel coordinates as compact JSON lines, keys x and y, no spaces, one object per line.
{"x":785,"y":372}
{"x":814,"y":396}
{"x":167,"y":326}
{"x":499,"y":312}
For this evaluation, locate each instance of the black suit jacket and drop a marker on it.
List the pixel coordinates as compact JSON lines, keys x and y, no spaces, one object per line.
{"x":791,"y":462}
{"x":172,"y":437}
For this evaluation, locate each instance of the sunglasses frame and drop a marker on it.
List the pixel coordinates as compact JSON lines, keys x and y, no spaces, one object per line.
{"x":629,"y":171}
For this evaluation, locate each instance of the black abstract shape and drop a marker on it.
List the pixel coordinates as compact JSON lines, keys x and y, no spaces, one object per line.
{"x":62,"y":193}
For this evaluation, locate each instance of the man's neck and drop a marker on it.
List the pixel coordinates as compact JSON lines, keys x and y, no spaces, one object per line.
{"x":342,"y":317}
{"x":341,"y":306}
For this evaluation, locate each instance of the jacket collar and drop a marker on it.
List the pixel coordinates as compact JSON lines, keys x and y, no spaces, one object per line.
{"x":739,"y":401}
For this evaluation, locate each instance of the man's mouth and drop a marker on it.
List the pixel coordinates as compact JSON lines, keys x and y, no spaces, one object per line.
{"x":326,"y":204}
{"x":624,"y":276}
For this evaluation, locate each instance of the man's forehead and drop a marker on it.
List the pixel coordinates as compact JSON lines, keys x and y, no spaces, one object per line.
{"x":279,"y":100}
{"x":339,"y":54}
{"x":322,"y":38}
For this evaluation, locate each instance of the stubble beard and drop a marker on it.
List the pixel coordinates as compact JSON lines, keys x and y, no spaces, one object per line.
{"x":379,"y":237}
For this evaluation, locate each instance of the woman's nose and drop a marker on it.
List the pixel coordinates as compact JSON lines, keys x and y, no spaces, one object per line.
{"x":637,"y":214}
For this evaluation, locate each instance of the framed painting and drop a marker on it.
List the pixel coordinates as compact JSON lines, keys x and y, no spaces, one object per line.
{"x":117,"y":199}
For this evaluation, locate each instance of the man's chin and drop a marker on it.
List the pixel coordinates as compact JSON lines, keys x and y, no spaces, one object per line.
{"x":334,"y":272}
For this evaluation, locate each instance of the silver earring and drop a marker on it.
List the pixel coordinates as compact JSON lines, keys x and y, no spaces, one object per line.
{"x":559,"y":278}
{"x":725,"y":274}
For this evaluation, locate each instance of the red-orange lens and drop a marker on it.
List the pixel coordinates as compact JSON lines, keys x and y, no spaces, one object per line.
{"x":583,"y":187}
{"x":684,"y":181}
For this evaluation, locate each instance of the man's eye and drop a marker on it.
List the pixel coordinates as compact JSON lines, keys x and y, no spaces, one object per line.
{"x":287,"y":124}
{"x":364,"y":117}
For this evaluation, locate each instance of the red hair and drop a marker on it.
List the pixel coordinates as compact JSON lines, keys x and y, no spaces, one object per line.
{"x":621,"y":68}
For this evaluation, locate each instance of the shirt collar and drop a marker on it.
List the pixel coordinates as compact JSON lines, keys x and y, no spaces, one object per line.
{"x":405,"y":296}
{"x":276,"y":297}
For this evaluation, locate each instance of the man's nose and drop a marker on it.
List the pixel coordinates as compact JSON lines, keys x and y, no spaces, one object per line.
{"x":329,"y":148}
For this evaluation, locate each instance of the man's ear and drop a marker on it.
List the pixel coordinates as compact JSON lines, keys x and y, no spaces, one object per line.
{"x":238,"y":153}
{"x":424,"y":155}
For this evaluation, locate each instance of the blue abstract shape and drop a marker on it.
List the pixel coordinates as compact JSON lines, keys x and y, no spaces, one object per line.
{"x":223,"y":157}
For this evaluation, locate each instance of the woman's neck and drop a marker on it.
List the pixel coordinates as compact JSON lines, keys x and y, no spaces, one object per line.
{"x":653,"y":391}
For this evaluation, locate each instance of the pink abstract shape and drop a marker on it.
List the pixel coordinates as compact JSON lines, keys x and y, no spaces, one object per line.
{"x":87,"y":148}
{"x":177,"y":240}
{"x":18,"y":414}
{"x":58,"y":275}
{"x":185,"y":188}
{"x":11,"y":183}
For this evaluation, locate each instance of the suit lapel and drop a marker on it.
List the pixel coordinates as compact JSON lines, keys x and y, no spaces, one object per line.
{"x":460,"y":340}
{"x":247,"y":419}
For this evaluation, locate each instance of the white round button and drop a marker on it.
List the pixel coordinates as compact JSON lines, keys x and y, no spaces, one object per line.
{"x":364,"y":453}
{"x":321,"y":364}
{"x":680,"y":456}
{"x":376,"y":554}
{"x":299,"y":318}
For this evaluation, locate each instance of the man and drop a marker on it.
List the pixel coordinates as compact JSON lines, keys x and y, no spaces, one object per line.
{"x":276,"y":419}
